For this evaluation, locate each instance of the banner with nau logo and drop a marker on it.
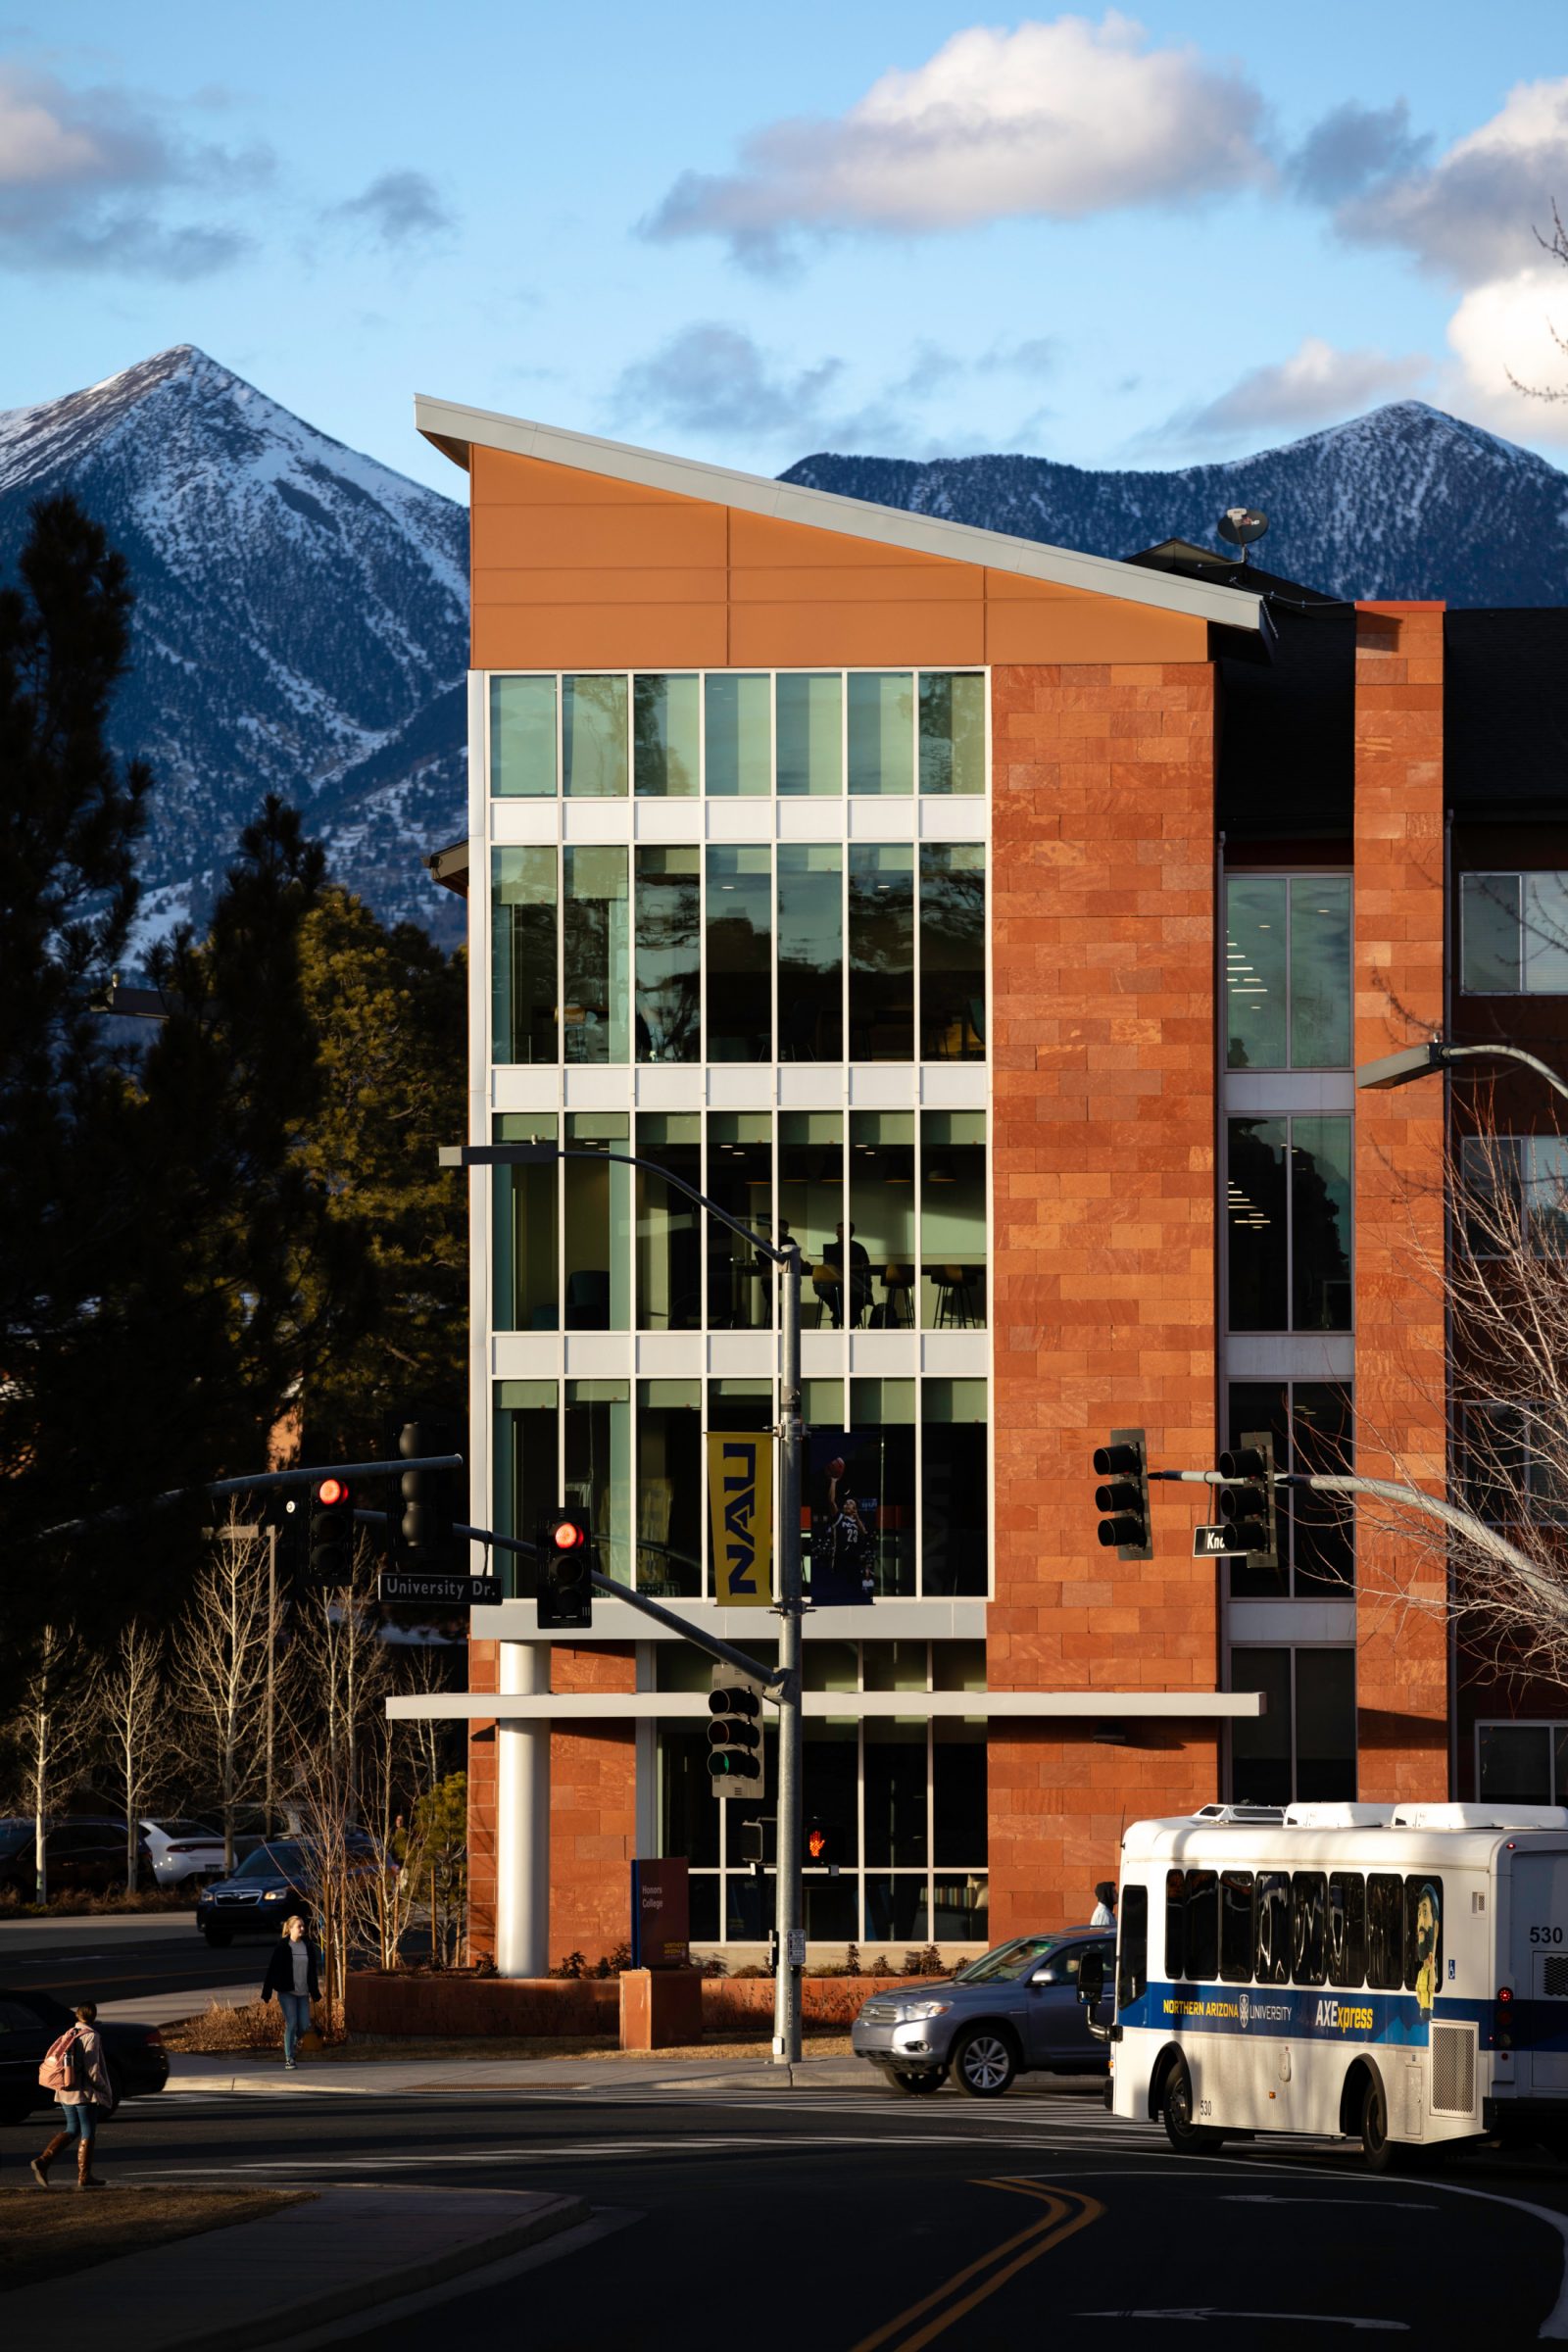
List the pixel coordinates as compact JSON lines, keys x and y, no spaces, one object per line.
{"x":740,"y":1506}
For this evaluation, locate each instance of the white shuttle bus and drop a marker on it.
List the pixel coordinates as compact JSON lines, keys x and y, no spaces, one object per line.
{"x":1397,"y":1973}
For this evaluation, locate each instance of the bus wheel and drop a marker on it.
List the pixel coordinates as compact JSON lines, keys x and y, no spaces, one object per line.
{"x":1383,"y":2154}
{"x":1176,"y":2107}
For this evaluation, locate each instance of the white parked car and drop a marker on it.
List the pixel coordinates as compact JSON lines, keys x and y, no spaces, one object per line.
{"x":184,"y":1849}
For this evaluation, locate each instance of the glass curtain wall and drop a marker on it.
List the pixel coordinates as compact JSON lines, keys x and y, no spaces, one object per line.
{"x":881,"y":732}
{"x":667,"y":737}
{"x":522,"y":738}
{"x":953,"y":733}
{"x":738,"y":735}
{"x":876,"y":1258}
{"x":596,"y":956}
{"x":954,"y":1256}
{"x":594,"y":737}
{"x":1311,"y":1423}
{"x":810,"y":952}
{"x":879,"y":1444}
{"x":527,"y":1275}
{"x":1288,"y":971}
{"x":598,"y":1224}
{"x":527,"y":1422}
{"x":669,"y":960}
{"x":1303,"y":1748}
{"x":670,"y":1277}
{"x":953,"y":952}
{"x":740,"y":1178}
{"x":670,"y":1487}
{"x":597,"y":1452}
{"x":738,"y":960}
{"x":809,"y":715}
{"x":881,"y":925}
{"x":954,"y":1482}
{"x":810,"y":1191}
{"x":522,"y":892}
{"x":1288,"y":1204}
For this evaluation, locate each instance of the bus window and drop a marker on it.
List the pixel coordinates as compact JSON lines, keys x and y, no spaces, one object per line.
{"x":1175,"y":1925}
{"x":1347,"y":1928}
{"x":1385,"y":1933}
{"x":1237,"y":1939}
{"x":1132,"y":1945}
{"x":1273,"y":1927}
{"x":1203,"y":1926}
{"x":1309,"y":1897}
{"x":1422,"y":1938}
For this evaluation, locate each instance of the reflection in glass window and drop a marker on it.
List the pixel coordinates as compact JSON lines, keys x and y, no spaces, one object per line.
{"x":740,"y":955}
{"x":881,"y":731}
{"x":1289,"y":1234}
{"x":810,"y":952}
{"x":669,"y":1279}
{"x":527,"y":1474}
{"x":810,"y":733}
{"x":737,"y":736}
{"x":523,"y":895}
{"x":959,"y":1824}
{"x":527,"y":1287}
{"x":1385,"y":1932}
{"x":1256,"y":952}
{"x":1514,"y":934}
{"x":953,"y":732}
{"x":593,"y":737}
{"x":954,"y":1485}
{"x":596,"y":956}
{"x":881,"y":951}
{"x":669,"y":974}
{"x":598,"y":1224}
{"x":1320,"y":1224}
{"x":895,"y":1790}
{"x":598,"y":1455}
{"x":881,"y":1237}
{"x":953,"y":952}
{"x":688,"y":1817}
{"x":1325,"y":1725}
{"x":1311,"y":1423}
{"x":810,"y":1187}
{"x":670,"y":1487}
{"x":1303,"y":1747}
{"x":1320,"y":971}
{"x":1238,"y":1928}
{"x":1262,"y":1746}
{"x":667,"y":737}
{"x":952,"y":1220}
{"x":522,"y":738}
{"x":740,"y":1178}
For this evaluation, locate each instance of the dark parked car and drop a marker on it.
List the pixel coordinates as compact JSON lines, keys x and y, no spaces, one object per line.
{"x":29,"y":2022}
{"x":278,"y":1879}
{"x":86,"y":1855}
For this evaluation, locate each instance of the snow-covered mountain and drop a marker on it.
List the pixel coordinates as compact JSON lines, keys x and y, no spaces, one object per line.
{"x":1403,"y":502}
{"x":302,"y":611}
{"x":301,"y":626}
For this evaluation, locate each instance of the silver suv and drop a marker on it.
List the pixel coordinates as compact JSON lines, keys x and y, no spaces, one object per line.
{"x":1013,"y":2011}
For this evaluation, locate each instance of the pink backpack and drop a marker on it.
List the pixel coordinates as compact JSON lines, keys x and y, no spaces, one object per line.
{"x":64,"y":2068}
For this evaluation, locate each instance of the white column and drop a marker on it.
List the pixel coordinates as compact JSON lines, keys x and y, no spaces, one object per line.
{"x":522,"y":1819}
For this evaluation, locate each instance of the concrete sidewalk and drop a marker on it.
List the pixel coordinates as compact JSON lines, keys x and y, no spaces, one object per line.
{"x":378,"y":2077}
{"x":173,"y":2008}
{"x":260,"y":2282}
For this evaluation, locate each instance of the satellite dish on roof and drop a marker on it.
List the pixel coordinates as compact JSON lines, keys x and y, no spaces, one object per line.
{"x":1240,"y":525}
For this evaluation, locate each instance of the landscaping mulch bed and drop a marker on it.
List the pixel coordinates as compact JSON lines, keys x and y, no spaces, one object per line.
{"x":54,"y":2234}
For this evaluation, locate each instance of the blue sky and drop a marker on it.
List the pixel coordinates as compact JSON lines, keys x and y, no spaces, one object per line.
{"x":1144,"y":237}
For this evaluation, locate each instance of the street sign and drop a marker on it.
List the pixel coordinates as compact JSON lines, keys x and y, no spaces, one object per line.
{"x":797,"y":1951}
{"x":1213,"y":1543}
{"x":453,"y":1592}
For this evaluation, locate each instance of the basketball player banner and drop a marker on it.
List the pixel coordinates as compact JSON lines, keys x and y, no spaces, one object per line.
{"x":740,"y":1509}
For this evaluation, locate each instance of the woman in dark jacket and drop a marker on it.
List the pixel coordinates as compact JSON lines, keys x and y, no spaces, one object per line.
{"x":294,"y":1976}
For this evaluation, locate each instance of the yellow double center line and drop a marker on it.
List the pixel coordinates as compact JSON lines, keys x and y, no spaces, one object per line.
{"x":1067,"y":2211}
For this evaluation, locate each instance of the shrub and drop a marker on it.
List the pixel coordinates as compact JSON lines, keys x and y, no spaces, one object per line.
{"x":927,"y":1962}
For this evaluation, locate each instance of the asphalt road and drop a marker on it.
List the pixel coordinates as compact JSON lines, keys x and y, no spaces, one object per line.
{"x":852,"y":2220}
{"x":122,"y":1957}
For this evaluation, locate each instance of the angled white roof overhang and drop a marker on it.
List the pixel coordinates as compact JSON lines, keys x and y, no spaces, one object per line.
{"x":456,"y":431}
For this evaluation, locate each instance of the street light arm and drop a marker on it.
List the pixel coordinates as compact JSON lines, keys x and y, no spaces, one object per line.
{"x":503,"y":1156}
{"x":1531,"y":1062}
{"x":1419,"y":1061}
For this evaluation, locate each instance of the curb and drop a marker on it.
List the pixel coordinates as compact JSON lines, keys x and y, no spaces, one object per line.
{"x":552,"y":2215}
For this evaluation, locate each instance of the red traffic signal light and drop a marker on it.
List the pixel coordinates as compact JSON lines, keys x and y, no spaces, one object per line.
{"x":331,"y":1542}
{"x":566,"y":1548}
{"x":567,"y":1536}
{"x":330,"y":1493}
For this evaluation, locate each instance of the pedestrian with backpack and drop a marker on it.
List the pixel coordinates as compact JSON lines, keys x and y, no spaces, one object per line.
{"x":77,"y":2070}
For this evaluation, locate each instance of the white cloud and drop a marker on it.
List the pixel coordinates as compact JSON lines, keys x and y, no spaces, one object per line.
{"x":1316,"y":385}
{"x":1055,"y":121}
{"x":1470,"y":215}
{"x":1506,"y":329}
{"x":84,"y":176}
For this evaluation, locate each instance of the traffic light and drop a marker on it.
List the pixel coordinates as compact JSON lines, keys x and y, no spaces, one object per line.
{"x":735,"y":1733}
{"x":1125,"y":1499}
{"x":565,"y":1569}
{"x":1247,"y":1500}
{"x":822,"y":1847}
{"x":331,"y":1532}
{"x":422,"y":1530}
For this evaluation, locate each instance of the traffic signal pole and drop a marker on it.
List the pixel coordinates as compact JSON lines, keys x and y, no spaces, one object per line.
{"x":784,"y":1686}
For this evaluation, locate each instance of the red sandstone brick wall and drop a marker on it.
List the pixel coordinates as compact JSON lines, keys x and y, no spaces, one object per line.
{"x":1103,"y":1054}
{"x":1402,"y":1672}
{"x":593,"y":1811}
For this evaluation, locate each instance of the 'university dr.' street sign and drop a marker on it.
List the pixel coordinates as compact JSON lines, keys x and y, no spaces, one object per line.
{"x":454,"y":1591}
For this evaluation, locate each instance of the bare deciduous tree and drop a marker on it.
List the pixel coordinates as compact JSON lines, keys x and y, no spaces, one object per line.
{"x":218,"y":1674}
{"x":130,"y":1710}
{"x":50,"y":1736}
{"x":1557,"y":246}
